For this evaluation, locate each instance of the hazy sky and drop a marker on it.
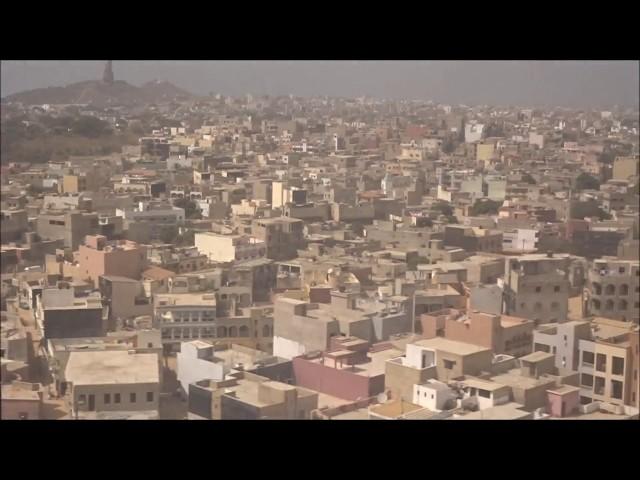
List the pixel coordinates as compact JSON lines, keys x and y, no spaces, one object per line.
{"x":599,"y":84}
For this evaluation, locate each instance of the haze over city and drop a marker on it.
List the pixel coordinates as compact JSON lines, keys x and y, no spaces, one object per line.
{"x":575,"y":84}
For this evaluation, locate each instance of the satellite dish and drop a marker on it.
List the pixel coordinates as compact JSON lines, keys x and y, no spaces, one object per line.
{"x":382,"y":397}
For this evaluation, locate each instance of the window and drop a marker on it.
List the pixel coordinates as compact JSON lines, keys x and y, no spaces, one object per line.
{"x":23,"y":416}
{"x":116,"y":398}
{"x":616,"y":389}
{"x":149,"y":396}
{"x":601,"y":362}
{"x":599,"y":386}
{"x":484,"y":393}
{"x":538,"y":289}
{"x":149,"y":345}
{"x":617,"y":367}
{"x":449,"y":364}
{"x":132,"y":397}
{"x":556,"y":288}
{"x":107,"y":398}
{"x":586,"y":380}
{"x":621,"y":270}
{"x":82,"y":399}
{"x":523,"y":305}
{"x":588,"y":358}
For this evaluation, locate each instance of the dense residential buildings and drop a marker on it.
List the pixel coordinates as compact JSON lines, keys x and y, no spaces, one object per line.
{"x":280,"y":257}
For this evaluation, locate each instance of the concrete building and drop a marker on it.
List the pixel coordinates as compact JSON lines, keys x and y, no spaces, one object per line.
{"x":613,"y":289}
{"x":502,"y":334}
{"x":185,"y":316}
{"x":126,"y":298}
{"x":521,"y":240}
{"x":452,"y":359}
{"x":21,"y":401}
{"x":245,"y":396}
{"x":113,"y":381}
{"x":229,"y":248}
{"x":58,"y":350}
{"x":562,"y":340}
{"x":283,"y":236}
{"x":537,"y":288}
{"x":473,"y":239}
{"x":71,"y":227}
{"x":601,"y":351}
{"x":297,"y":330}
{"x":350,"y":369}
{"x":122,"y":258}
{"x":62,"y":314}
{"x":199,"y":360}
{"x":196,"y":361}
{"x":13,"y":224}
{"x":625,"y":168}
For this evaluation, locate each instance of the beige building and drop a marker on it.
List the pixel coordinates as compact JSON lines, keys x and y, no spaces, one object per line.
{"x":625,"y":167}
{"x":229,"y":248}
{"x":113,"y":381}
{"x":613,"y":289}
{"x":484,"y":152}
{"x":246,"y":396}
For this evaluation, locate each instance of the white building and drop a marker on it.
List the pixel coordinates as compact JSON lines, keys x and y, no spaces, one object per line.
{"x":229,"y":248}
{"x":196,"y":361}
{"x":434,"y":395}
{"x":473,"y":132}
{"x":153,"y":212}
{"x":520,"y":240}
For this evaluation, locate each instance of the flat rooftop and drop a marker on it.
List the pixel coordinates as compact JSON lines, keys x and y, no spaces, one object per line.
{"x":508,"y":411}
{"x":514,"y":379}
{"x":112,"y":367}
{"x":452,"y":346}
{"x":563,"y":389}
{"x":537,"y":357}
{"x":394,"y":409}
{"x":482,"y":384}
{"x":185,"y":299}
{"x":11,"y":392}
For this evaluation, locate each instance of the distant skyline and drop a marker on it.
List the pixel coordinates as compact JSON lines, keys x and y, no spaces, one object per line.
{"x":575,"y":84}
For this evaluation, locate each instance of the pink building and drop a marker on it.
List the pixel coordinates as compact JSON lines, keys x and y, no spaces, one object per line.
{"x":351,"y":369}
{"x":563,"y":401}
{"x":122,"y":258}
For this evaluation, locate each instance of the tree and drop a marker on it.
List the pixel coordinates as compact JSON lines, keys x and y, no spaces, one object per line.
{"x":191,"y":210}
{"x":586,"y":209}
{"x":485,"y":207}
{"x":444,"y":208}
{"x":91,"y":127}
{"x":448,"y":145}
{"x":527,"y":178}
{"x":587,"y":182}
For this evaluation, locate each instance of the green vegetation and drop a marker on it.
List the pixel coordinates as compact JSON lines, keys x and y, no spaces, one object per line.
{"x":485,"y":207}
{"x":90,"y":127}
{"x":586,"y":209}
{"x":587,"y":182}
{"x":444,"y":208}
{"x":191,"y":210}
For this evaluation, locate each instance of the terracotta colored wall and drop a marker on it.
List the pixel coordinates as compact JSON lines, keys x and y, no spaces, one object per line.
{"x":554,"y":403}
{"x":331,"y":381}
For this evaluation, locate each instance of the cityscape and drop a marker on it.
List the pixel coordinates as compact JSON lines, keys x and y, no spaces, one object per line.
{"x":169,"y":254}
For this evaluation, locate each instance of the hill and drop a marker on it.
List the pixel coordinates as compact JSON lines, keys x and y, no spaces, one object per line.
{"x":101,"y":94}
